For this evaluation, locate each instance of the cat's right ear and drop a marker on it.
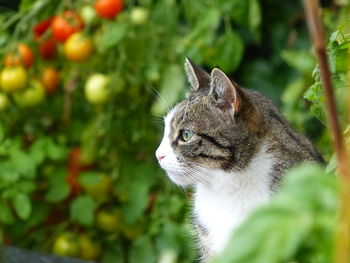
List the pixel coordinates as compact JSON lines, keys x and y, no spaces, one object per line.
{"x":197,"y":77}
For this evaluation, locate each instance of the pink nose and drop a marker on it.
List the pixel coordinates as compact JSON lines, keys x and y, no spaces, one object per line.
{"x":160,"y":156}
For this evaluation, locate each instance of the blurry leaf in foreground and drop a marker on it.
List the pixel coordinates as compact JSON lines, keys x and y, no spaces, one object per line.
{"x":302,"y":217}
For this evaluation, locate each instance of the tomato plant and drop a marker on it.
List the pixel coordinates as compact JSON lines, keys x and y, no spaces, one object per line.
{"x":65,"y":25}
{"x":108,"y":8}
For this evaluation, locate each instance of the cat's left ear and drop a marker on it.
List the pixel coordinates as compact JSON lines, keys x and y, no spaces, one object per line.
{"x":197,"y":77}
{"x":225,"y":92}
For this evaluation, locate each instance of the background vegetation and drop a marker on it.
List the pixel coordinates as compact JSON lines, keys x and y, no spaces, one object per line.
{"x":78,"y":171}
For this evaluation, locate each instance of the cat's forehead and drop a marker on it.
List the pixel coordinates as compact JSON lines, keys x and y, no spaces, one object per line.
{"x":190,"y":108}
{"x":192,"y":113}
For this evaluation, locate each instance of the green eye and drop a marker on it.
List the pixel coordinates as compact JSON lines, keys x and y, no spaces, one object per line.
{"x":186,"y":135}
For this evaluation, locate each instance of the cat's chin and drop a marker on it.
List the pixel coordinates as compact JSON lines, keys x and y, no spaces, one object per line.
{"x":179,"y":179}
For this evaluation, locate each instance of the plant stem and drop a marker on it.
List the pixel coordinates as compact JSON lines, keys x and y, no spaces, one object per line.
{"x":316,"y":31}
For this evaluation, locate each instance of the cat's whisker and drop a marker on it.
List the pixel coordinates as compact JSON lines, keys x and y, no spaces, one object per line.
{"x":157,"y":94}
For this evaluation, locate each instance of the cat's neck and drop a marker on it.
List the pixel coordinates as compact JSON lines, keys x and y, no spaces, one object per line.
{"x":222,"y":205}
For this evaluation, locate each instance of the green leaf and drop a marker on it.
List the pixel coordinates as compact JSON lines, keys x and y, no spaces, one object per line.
{"x":22,"y":205}
{"x":111,"y":36}
{"x":228,"y":53}
{"x":8,"y":173}
{"x":6,"y":215}
{"x":136,"y":179}
{"x":254,"y":17}
{"x":301,"y":60}
{"x":89,"y":178}
{"x":113,"y":253}
{"x":23,"y":164}
{"x":142,"y":251}
{"x":82,"y":210}
{"x":26,"y":5}
{"x":26,"y":187}
{"x":58,"y":192}
{"x":55,"y":151}
{"x":172,"y":86}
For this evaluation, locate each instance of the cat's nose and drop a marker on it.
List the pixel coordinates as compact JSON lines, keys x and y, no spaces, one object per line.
{"x":160,"y":156}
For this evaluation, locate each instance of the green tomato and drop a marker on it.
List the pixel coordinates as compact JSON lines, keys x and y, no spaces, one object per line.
{"x":32,"y":96}
{"x":13,"y":79}
{"x":88,"y":14}
{"x":66,"y":244}
{"x":100,"y":189}
{"x":132,"y":232}
{"x":96,"y":89}
{"x":4,"y":101}
{"x":89,"y":249}
{"x":108,"y":220}
{"x":139,"y":15}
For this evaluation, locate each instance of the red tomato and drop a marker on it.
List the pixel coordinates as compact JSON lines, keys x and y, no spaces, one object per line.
{"x":108,"y":8}
{"x":48,"y":49}
{"x":22,"y":57}
{"x":40,"y":28}
{"x":65,"y":25}
{"x":26,"y":55}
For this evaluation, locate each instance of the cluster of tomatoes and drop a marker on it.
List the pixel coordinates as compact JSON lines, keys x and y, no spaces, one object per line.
{"x":66,"y":29}
{"x":108,"y":219}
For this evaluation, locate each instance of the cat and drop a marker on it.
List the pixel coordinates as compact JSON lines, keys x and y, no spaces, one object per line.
{"x":232,"y":145}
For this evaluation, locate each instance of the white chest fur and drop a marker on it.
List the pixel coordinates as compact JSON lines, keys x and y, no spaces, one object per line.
{"x":222,"y":205}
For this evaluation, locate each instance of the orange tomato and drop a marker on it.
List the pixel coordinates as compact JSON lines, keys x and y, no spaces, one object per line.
{"x":22,"y":57}
{"x":78,"y":47}
{"x":50,"y":80}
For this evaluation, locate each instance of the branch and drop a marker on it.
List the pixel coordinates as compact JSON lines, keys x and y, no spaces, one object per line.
{"x":316,"y":31}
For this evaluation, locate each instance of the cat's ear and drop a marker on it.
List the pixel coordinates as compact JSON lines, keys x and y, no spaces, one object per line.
{"x":197,"y":77}
{"x":225,"y":92}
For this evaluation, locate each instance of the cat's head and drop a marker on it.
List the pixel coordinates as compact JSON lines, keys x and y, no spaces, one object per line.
{"x":214,"y":128}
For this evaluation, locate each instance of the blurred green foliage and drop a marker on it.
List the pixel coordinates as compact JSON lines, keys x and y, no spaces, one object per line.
{"x":51,"y":153}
